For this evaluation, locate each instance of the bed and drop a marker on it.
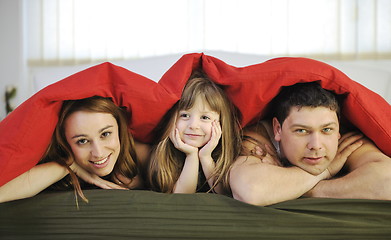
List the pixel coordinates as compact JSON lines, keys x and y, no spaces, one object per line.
{"x":144,"y":214}
{"x":120,"y":214}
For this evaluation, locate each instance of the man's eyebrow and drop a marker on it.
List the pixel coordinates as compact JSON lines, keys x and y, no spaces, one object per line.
{"x":306,"y":126}
{"x":329,"y":124}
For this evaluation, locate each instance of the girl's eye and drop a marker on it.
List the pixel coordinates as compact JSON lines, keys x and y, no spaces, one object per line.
{"x":106,"y":134}
{"x":205,"y":118}
{"x":184,"y":115}
{"x":81,"y":141}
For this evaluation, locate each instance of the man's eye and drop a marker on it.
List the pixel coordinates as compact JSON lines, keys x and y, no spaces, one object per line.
{"x":301,"y":131}
{"x":327,"y":130}
{"x":81,"y":141}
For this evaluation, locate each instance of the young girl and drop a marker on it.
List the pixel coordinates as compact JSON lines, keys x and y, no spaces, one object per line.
{"x":91,"y":140}
{"x":200,"y":132}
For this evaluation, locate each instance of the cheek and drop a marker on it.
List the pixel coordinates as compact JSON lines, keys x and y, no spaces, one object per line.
{"x":79,"y":154}
{"x":180,"y":125}
{"x":334,"y":146}
{"x":207,"y":129}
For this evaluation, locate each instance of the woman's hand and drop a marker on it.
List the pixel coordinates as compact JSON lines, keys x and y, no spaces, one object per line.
{"x":180,"y":145}
{"x":268,"y":157}
{"x":129,"y":183}
{"x":207,"y":149}
{"x":263,"y":151}
{"x":93,"y":178}
{"x":347,"y":144}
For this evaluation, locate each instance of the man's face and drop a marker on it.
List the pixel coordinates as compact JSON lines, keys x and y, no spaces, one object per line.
{"x":309,"y":137}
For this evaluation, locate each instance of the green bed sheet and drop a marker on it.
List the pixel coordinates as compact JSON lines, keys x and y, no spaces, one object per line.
{"x":120,"y":214}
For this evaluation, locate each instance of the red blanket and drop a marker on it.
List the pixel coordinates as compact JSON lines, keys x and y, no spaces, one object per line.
{"x":26,"y":132}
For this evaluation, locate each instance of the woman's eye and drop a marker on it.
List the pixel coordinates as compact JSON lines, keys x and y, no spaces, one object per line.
{"x":81,"y":141}
{"x":106,"y":134}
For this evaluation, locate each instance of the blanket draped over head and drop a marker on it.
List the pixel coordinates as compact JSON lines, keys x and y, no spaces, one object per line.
{"x":27,"y":131}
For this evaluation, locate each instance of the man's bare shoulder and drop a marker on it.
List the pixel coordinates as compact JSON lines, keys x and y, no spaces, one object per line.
{"x":246,"y":161}
{"x":368,"y":152}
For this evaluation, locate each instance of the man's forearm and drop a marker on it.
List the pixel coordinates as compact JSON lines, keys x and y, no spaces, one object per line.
{"x":263,"y":184}
{"x":369,"y":181}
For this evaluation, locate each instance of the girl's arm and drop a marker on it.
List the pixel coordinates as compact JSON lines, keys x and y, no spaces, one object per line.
{"x":205,"y":155}
{"x":187,"y":181}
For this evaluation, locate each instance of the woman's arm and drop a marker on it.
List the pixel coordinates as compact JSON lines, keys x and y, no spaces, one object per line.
{"x":32,"y":182}
{"x":42,"y":176}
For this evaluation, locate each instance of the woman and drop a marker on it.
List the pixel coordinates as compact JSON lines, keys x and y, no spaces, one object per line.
{"x":91,"y":141}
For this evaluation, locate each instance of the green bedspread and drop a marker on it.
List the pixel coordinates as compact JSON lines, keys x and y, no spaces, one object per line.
{"x":120,"y":214}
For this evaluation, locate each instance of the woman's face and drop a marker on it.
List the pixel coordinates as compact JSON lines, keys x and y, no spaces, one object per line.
{"x":94,"y":140}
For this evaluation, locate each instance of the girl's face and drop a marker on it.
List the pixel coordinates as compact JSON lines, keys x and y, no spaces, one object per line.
{"x":195,"y":124}
{"x":94,"y":141}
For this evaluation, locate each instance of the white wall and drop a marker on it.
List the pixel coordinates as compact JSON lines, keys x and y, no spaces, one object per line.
{"x":11,"y":52}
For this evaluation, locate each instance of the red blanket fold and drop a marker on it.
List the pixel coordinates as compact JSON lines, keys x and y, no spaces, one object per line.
{"x":27,"y":131}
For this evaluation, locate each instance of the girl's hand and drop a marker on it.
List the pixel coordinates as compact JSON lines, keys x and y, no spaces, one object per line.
{"x":180,"y":145}
{"x":208,"y":148}
{"x":93,"y":178}
{"x":347,"y":144}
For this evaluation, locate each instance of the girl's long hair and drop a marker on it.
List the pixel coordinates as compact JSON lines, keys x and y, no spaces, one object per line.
{"x":167,"y":161}
{"x":60,"y":151}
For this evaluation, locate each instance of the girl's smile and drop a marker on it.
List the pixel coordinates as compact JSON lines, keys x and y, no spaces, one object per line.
{"x":195,"y":124}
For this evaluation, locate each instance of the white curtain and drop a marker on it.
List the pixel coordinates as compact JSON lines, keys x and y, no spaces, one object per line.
{"x":82,"y":31}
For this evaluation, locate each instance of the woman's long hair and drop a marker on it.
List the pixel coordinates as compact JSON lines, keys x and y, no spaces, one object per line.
{"x":60,"y":151}
{"x":167,"y":161}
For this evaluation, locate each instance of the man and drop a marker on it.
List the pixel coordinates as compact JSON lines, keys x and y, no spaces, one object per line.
{"x":305,"y":151}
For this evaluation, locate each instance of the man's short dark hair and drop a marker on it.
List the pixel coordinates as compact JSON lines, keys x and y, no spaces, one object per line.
{"x":302,"y":95}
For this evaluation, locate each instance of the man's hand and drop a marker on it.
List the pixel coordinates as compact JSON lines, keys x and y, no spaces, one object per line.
{"x":347,"y":144}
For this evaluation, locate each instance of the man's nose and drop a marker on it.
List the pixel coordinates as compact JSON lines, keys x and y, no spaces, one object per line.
{"x":315,"y":141}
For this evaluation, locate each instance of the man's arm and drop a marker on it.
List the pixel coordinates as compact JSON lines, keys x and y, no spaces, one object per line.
{"x":369,"y":177}
{"x":258,"y":183}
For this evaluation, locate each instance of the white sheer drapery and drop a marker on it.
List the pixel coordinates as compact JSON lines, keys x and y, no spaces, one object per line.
{"x":81,"y":31}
